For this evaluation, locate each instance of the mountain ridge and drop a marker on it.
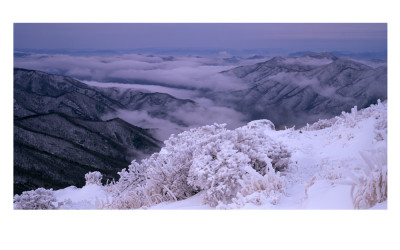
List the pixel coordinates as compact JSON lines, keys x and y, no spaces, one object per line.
{"x":59,"y":134}
{"x":298,"y":90}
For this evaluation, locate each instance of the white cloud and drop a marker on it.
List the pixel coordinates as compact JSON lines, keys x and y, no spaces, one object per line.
{"x":160,"y":128}
{"x":184,"y":71}
{"x":206,"y":112}
{"x":182,"y":77}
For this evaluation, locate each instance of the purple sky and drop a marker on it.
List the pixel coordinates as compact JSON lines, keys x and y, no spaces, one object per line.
{"x":294,"y":36}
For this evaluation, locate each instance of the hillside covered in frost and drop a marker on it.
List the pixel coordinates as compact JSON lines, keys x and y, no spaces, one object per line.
{"x":340,"y":163}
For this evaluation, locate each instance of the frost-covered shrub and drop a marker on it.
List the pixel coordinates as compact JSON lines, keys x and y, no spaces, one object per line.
{"x":353,"y":117}
{"x":380,"y":127}
{"x":35,"y":199}
{"x":371,"y":187}
{"x":166,"y":176}
{"x":167,"y":171}
{"x":257,"y":188}
{"x":131,"y":198}
{"x":162,"y":176}
{"x":225,"y":164}
{"x":128,"y":192}
{"x":253,"y":140}
{"x":332,"y":169}
{"x":93,"y":178}
{"x":212,"y":159}
{"x":320,"y":124}
{"x":218,"y":168}
{"x":131,"y":177}
{"x":260,"y":124}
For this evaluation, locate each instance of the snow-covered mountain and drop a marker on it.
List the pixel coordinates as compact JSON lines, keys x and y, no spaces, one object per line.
{"x":339,"y":163}
{"x":37,"y":92}
{"x":64,"y":128}
{"x":299,"y":90}
{"x":59,"y":133}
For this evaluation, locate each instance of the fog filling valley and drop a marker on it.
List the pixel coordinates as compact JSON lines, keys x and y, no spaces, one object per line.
{"x":200,"y":79}
{"x":183,"y":77}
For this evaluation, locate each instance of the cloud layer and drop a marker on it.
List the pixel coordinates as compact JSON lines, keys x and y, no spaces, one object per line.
{"x":206,"y":113}
{"x":189,"y":72}
{"x":184,"y":77}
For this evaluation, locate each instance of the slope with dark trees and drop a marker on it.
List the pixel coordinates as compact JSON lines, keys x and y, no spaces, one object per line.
{"x":59,"y":135}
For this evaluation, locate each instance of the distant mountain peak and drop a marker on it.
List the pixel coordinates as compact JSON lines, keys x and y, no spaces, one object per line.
{"x":277,"y":59}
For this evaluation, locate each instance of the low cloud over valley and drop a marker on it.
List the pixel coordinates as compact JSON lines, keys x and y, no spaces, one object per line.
{"x":183,"y":77}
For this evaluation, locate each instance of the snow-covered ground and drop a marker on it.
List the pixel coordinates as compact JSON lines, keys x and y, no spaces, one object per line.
{"x":329,"y":158}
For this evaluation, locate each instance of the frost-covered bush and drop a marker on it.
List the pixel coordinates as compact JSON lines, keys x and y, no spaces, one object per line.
{"x":131,"y":198}
{"x":253,"y":140}
{"x":371,"y":187}
{"x":35,"y":199}
{"x":166,"y":176}
{"x":218,"y":168}
{"x":226,"y":165}
{"x":93,"y":178}
{"x":375,"y":110}
{"x":380,"y":127}
{"x":257,"y":188}
{"x":350,"y":119}
{"x":131,"y":177}
{"x":212,"y":159}
{"x":167,"y":171}
{"x":128,"y":192}
{"x":320,"y":124}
